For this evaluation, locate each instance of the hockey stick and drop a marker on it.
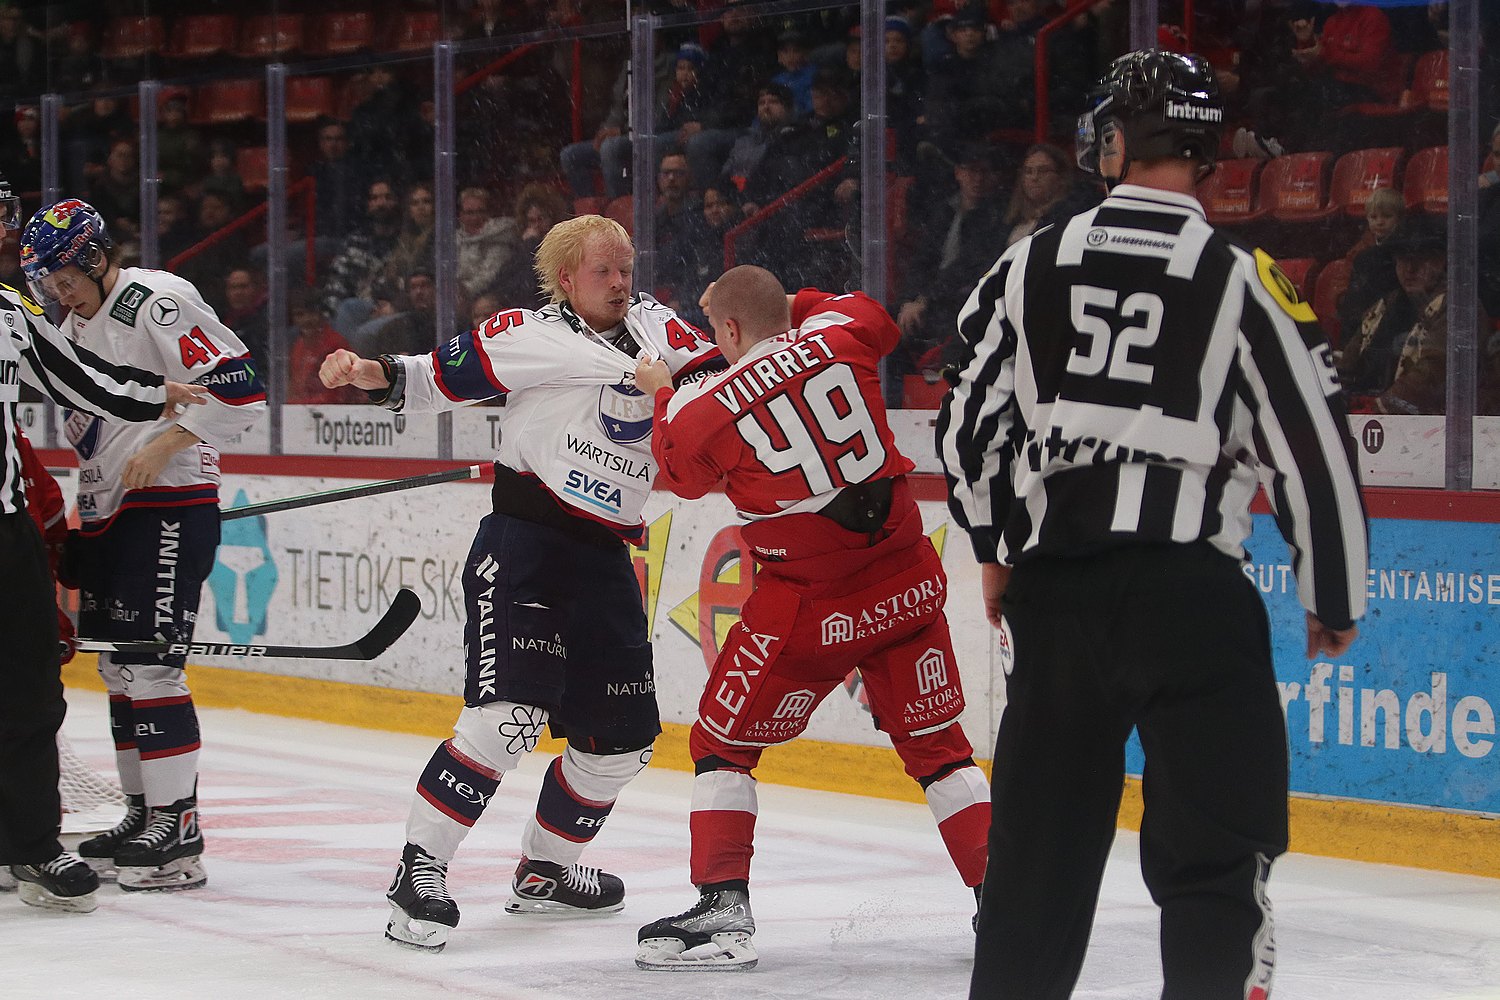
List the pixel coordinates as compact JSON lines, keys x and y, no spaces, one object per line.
{"x":405,"y":607}
{"x":350,"y":492}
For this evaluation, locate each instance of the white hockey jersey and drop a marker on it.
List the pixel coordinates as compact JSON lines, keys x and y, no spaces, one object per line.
{"x":573,"y":417}
{"x":159,"y":322}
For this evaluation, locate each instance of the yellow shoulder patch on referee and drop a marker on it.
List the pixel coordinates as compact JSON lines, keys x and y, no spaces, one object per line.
{"x":1282,"y":289}
{"x":30,"y":306}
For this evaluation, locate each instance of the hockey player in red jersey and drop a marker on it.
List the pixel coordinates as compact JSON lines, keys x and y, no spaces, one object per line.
{"x":556,"y":632}
{"x":44,"y":502}
{"x":796,"y":432}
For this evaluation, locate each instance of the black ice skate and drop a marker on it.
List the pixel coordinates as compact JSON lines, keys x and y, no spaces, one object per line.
{"x":713,"y":936}
{"x":99,"y":852}
{"x":167,"y":853}
{"x":422,"y":911}
{"x":64,"y":883}
{"x":542,"y":887}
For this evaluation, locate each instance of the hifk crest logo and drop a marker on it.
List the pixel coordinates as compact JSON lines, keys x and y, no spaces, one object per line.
{"x":82,"y":431}
{"x":625,"y":413}
{"x":243,"y":578}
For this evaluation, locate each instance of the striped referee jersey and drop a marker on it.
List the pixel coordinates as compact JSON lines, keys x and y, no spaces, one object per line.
{"x":32,"y":348}
{"x":1130,"y":376}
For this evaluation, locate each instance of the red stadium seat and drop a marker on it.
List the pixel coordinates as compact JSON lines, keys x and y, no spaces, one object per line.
{"x":308,"y":98}
{"x":591,"y":205}
{"x":1426,"y":185}
{"x":416,"y":31}
{"x":224,"y":101}
{"x":134,"y":37}
{"x":1294,"y":188}
{"x":253,"y":164}
{"x":622,"y":210}
{"x":341,"y":33}
{"x":1333,"y":278}
{"x":1357,"y":174}
{"x":201,"y":36}
{"x":920,"y":394}
{"x":268,"y":36}
{"x":1228,"y":194}
{"x":1429,"y":82}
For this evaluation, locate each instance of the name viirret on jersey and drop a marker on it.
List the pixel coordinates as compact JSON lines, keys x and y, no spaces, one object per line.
{"x":761,"y":377}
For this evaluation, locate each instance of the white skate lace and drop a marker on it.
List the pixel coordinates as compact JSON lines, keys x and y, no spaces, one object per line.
{"x":580,"y":879}
{"x":429,"y":877}
{"x":161,"y":829}
{"x":59,"y":864}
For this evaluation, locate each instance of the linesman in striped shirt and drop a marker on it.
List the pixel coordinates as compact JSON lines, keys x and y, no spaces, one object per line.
{"x":32,"y":708}
{"x":1129,"y":376}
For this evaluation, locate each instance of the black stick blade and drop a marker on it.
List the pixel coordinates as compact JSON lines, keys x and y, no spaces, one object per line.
{"x":404,"y":609}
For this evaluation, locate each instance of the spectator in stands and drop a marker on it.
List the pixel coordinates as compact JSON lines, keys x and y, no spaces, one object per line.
{"x":346,"y":290}
{"x":223,"y":174}
{"x":207,"y":267}
{"x":905,"y":85}
{"x":1420,"y":384}
{"x":482,"y":308}
{"x":964,"y":96}
{"x":1372,"y":271}
{"x":950,"y":250}
{"x":719,"y":215}
{"x":695,"y":113}
{"x":1372,"y":348}
{"x":312,"y":340}
{"x":385,"y":128}
{"x":22,"y":153}
{"x":677,"y":207}
{"x":821,"y":140}
{"x":797,"y":69}
{"x":936,"y":39}
{"x":80,"y":67}
{"x":773,"y":112}
{"x":23,"y":58}
{"x":117,"y":192}
{"x":1353,"y":58}
{"x":1044,"y":180}
{"x":413,"y":249}
{"x":413,"y":331}
{"x":245,"y":309}
{"x":539,"y":207}
{"x":175,"y":231}
{"x":739,"y":62}
{"x":1491,"y":176}
{"x":1070,"y":69}
{"x":607,"y":153}
{"x":338,"y":182}
{"x":181,"y":157}
{"x":486,"y":245}
{"x":89,"y":134}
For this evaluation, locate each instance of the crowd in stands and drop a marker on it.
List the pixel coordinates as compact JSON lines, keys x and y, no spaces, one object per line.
{"x":749,"y":109}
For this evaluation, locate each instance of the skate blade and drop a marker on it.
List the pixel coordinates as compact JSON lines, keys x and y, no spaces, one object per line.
{"x":34,"y":895}
{"x":184,"y":873}
{"x":419,"y":935}
{"x":727,"y":951}
{"x":103,"y":867}
{"x":522,"y":907}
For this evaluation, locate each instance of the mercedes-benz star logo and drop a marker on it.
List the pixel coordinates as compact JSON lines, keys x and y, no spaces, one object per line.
{"x":164,"y":312}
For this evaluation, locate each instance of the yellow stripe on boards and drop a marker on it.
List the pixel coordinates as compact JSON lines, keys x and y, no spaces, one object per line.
{"x":1359,"y":831}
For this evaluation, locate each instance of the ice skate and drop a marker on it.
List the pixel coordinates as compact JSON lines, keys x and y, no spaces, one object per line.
{"x":167,"y":854}
{"x":542,"y":887}
{"x":713,"y":936}
{"x":64,"y":883}
{"x":422,"y":911}
{"x":99,"y":852}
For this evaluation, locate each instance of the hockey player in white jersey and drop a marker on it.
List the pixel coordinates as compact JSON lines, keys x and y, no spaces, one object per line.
{"x":556,"y":630}
{"x":148,"y":500}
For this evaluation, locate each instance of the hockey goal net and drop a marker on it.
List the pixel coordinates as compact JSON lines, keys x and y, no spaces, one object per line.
{"x":90,"y":801}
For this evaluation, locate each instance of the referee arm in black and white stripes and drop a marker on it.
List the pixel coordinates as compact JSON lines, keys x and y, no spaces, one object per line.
{"x":1128,"y":377}
{"x":31,"y":348}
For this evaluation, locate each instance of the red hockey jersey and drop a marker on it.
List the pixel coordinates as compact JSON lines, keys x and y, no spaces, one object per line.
{"x":794,"y":421}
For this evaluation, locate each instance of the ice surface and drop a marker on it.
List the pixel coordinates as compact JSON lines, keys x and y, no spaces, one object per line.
{"x":854,"y":898}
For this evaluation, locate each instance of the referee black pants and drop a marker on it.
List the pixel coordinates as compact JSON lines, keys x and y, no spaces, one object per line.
{"x":1174,"y":641}
{"x":31,"y":697}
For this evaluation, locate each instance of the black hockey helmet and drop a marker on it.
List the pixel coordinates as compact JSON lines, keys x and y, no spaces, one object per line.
{"x":1167,"y":103}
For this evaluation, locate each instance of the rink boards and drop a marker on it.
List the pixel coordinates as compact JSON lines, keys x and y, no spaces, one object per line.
{"x":1393,"y":746}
